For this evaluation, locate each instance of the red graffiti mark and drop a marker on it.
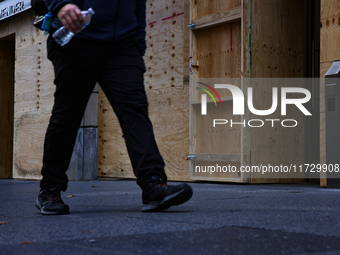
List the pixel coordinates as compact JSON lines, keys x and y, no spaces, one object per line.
{"x":173,"y":16}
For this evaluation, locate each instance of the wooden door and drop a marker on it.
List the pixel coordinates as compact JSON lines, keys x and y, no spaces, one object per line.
{"x":216,"y":55}
{"x":242,"y":41}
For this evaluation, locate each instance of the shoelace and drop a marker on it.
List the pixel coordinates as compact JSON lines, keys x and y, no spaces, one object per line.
{"x":159,"y":183}
{"x":55,"y":196}
{"x":153,"y":193}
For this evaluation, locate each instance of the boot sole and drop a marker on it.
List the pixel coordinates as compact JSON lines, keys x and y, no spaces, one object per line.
{"x":177,"y":198}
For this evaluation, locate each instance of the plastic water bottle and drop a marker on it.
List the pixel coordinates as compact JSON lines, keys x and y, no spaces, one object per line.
{"x":62,"y":36}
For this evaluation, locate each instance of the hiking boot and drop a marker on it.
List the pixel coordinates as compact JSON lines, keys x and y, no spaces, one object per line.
{"x":50,"y":202}
{"x":158,"y":196}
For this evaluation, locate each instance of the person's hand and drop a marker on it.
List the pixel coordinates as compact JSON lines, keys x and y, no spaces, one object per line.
{"x":71,"y":17}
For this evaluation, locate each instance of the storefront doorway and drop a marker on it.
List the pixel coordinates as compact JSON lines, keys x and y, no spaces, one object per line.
{"x":7,"y":58}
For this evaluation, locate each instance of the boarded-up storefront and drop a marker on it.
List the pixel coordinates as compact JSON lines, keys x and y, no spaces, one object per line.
{"x":234,"y":39}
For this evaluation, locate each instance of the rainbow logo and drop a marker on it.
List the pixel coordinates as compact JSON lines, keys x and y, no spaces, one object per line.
{"x":212,"y":89}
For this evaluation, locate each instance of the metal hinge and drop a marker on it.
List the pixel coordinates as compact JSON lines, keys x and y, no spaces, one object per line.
{"x":191,"y":157}
{"x":192,"y":26}
{"x":190,"y":65}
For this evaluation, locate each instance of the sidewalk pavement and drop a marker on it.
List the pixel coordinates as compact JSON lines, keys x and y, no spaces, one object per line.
{"x":106,"y":218}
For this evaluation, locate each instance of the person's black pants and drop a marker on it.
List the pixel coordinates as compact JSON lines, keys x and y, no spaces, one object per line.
{"x":118,"y":67}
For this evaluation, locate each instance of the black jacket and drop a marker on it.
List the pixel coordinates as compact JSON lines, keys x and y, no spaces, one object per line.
{"x":113,"y":19}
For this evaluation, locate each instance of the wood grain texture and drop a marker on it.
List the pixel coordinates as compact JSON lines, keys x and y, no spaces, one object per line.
{"x":323,"y":69}
{"x":224,"y":94}
{"x":277,"y":39}
{"x":29,"y":142}
{"x":245,"y":73}
{"x":168,"y":111}
{"x":33,"y":94}
{"x":221,"y":139}
{"x":167,"y":93}
{"x":205,"y":7}
{"x":217,"y":18}
{"x":245,"y":39}
{"x":113,"y":159}
{"x":276,"y":145}
{"x":219,"y":51}
{"x":186,"y":42}
{"x":34,"y":80}
{"x":165,"y":42}
{"x":323,"y":176}
{"x":277,"y":52}
{"x":330,"y":31}
{"x":216,"y":52}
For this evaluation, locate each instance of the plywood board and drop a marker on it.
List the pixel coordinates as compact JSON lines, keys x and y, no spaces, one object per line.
{"x":29,"y":140}
{"x":323,"y":176}
{"x":246,"y":40}
{"x":329,"y":31}
{"x":204,"y":7}
{"x":323,"y":69}
{"x":167,"y":93}
{"x":245,"y":73}
{"x":276,"y":51}
{"x":168,"y":110}
{"x":113,"y":160}
{"x":216,"y":51}
{"x":224,"y":94}
{"x":33,"y":94}
{"x":275,"y":144}
{"x":169,"y":113}
{"x":164,"y":54}
{"x":220,"y":139}
{"x":217,"y":18}
{"x":186,"y":42}
{"x":219,"y":51}
{"x":277,"y":38}
{"x":34,"y":80}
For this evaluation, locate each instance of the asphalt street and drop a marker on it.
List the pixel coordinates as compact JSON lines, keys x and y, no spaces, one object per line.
{"x":106,"y":218}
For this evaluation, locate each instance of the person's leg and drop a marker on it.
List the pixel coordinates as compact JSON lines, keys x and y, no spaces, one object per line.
{"x":123,"y":83}
{"x":75,"y":78}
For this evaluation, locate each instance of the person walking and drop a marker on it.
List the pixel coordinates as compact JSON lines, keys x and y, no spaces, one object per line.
{"x":108,"y":51}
